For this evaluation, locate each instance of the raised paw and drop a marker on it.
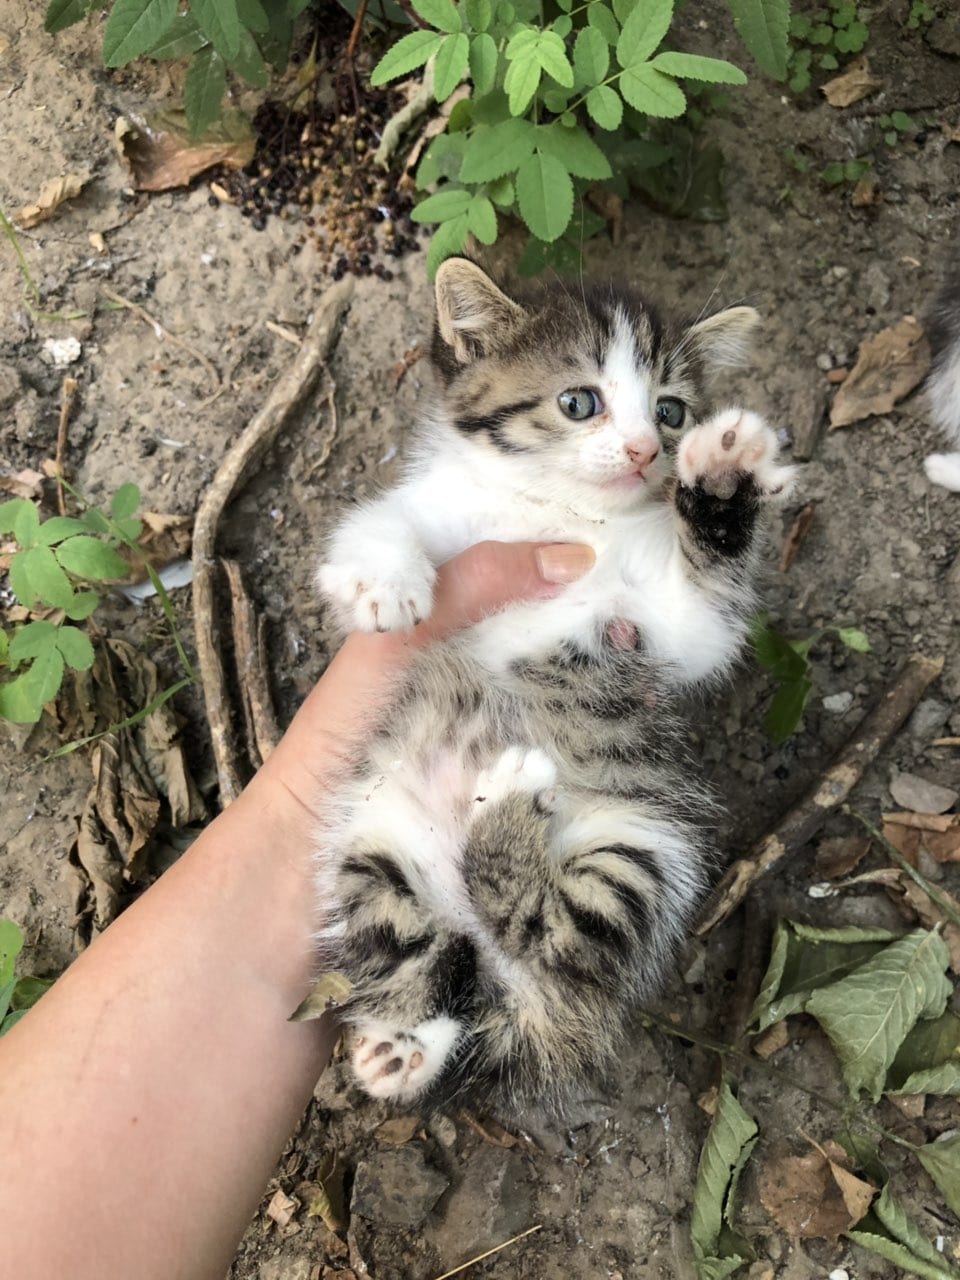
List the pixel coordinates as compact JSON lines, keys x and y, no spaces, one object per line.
{"x":387,"y":597}
{"x":400,"y":1064}
{"x":728,"y":446}
{"x":520,"y":769}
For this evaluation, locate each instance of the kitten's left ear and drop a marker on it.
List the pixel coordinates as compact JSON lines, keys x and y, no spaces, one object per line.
{"x":725,"y":340}
{"x":472,"y":312}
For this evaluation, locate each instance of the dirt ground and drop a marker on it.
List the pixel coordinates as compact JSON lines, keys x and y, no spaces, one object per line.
{"x":613,"y":1197}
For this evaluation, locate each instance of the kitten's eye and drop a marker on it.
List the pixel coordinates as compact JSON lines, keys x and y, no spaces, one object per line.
{"x":671,"y":412}
{"x":580,"y":403}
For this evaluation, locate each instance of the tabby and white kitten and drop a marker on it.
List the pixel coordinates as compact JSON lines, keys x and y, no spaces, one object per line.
{"x":508,"y":869}
{"x":943,"y":383}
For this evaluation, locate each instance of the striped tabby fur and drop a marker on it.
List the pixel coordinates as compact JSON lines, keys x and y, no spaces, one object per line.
{"x":511,"y":865}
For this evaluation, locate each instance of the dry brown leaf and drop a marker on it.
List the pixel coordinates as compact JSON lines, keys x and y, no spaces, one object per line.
{"x":161,"y":154}
{"x":51,"y":197}
{"x":405,"y":363}
{"x":165,"y":538}
{"x":916,"y":904}
{"x":888,"y":368}
{"x":24,"y":484}
{"x":707,"y":1102}
{"x":923,"y":821}
{"x":952,"y":134}
{"x":489,"y":1131}
{"x":855,"y":83}
{"x":397,"y":1132}
{"x":838,"y":855}
{"x":814,"y":1196}
{"x":866,"y":192}
{"x":906,"y":841}
{"x":937,"y":833}
{"x":282,"y":1208}
{"x":943,"y":846}
{"x":772,"y":1040}
{"x":798,"y":532}
{"x":328,"y":1204}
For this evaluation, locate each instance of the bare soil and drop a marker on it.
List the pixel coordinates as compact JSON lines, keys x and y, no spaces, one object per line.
{"x":613,"y":1196}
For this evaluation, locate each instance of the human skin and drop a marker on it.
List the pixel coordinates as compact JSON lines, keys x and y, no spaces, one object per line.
{"x":146,"y":1098}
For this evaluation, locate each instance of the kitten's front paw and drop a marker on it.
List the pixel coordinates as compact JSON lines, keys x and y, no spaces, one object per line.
{"x":400,"y":1064}
{"x":519,"y":769}
{"x":386,"y":597}
{"x":730,"y":445}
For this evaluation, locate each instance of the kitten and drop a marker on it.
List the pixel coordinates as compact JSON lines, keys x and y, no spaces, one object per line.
{"x":508,"y":870}
{"x":943,"y":384}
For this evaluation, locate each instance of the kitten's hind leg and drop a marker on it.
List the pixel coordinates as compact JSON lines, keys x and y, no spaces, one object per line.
{"x":399,"y":1065}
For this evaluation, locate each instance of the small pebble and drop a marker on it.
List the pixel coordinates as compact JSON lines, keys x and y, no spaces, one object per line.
{"x":838,"y":702}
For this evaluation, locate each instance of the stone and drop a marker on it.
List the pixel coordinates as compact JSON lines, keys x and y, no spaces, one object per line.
{"x":838,"y":702}
{"x":491,"y":1204}
{"x":284,"y":1268}
{"x":929,"y":719}
{"x":918,"y":795}
{"x":397,"y":1187}
{"x":10,"y":385}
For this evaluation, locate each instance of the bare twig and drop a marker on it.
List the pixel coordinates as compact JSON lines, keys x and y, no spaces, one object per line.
{"x":249,"y":657}
{"x":490,"y":1252}
{"x":287,"y":396}
{"x":67,"y":393}
{"x":161,"y":332}
{"x":806,"y":817}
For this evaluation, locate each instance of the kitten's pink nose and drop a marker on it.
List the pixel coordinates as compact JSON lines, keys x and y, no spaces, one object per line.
{"x":642,"y":452}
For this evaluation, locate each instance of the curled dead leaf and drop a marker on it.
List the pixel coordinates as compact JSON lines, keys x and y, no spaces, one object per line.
{"x":398,"y":1131}
{"x":328,"y":992}
{"x":814,"y":1196}
{"x":796,"y":535}
{"x":282,"y":1208}
{"x":328,"y":1204}
{"x":889,"y":366}
{"x":26,"y":483}
{"x":161,"y":154}
{"x":837,"y":856}
{"x":51,"y":197}
{"x":772,"y":1040}
{"x":915,"y":904}
{"x":855,"y":83}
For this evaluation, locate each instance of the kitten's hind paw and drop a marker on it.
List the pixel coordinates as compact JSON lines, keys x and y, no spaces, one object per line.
{"x":519,"y":769}
{"x":728,"y":446}
{"x":399,"y":1065}
{"x":384,"y":597}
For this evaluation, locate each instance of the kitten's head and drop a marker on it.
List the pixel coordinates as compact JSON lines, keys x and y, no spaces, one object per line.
{"x":581,"y":386}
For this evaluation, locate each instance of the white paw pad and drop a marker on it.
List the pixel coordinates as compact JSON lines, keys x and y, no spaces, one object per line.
{"x":400,"y":1064}
{"x":728,"y":445}
{"x":520,"y":769}
{"x":379,"y":598}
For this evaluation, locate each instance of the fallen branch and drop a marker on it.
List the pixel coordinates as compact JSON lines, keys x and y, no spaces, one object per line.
{"x":67,"y":392}
{"x":288,"y":395}
{"x":808,"y":815}
{"x":249,"y":656}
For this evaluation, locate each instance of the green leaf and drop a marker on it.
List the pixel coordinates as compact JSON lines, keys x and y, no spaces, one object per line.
{"x":203,"y":90}
{"x":522,"y":81}
{"x":96,"y":520}
{"x":91,"y":559}
{"x":707,"y":70}
{"x":10,"y":513}
{"x":448,"y":239}
{"x":26,"y":525}
{"x":483,"y":62}
{"x":854,"y":639}
{"x":941,"y":1159}
{"x":552,"y":56}
{"x":544,"y":196}
{"x":869,"y":1234}
{"x":762,"y":26}
{"x":35,"y":574}
{"x":479,"y":14}
{"x":652,"y":92}
{"x":501,"y":192}
{"x":869,"y":1014}
{"x":576,"y":151}
{"x":449,"y":203}
{"x":591,"y":56}
{"x":730,"y":1132}
{"x":133,"y":27}
{"x":19,"y":700}
{"x":605,"y":106}
{"x":441,"y":14}
{"x":642,"y":32}
{"x":442,"y":159}
{"x":253,"y":16}
{"x":75,"y":647}
{"x":28,"y":991}
{"x":786,"y":709}
{"x":11,"y":944}
{"x":4,"y":648}
{"x":522,"y":41}
{"x":482,"y":220}
{"x":774,"y":652}
{"x":929,"y":1059}
{"x":406,"y":55}
{"x":220,"y":23}
{"x":57,"y":528}
{"x":64,"y":13}
{"x":82,"y":605}
{"x":601,"y":19}
{"x":902,"y":1227}
{"x":901,"y":121}
{"x":496,"y":150}
{"x":129,"y":529}
{"x":562,"y":26}
{"x":34,"y":639}
{"x":275,"y":45}
{"x":453,"y":59}
{"x":183,"y":38}
{"x":249,"y":64}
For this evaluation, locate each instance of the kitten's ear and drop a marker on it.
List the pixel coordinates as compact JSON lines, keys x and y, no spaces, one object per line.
{"x":472,"y":313}
{"x":725,"y":340}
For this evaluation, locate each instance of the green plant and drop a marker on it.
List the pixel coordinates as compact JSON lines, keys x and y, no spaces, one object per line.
{"x":555,"y":106}
{"x":840,"y":171}
{"x":823,"y":39}
{"x":17,"y":995}
{"x":921,"y":13}
{"x":895,"y":125}
{"x":788,"y":661}
{"x":53,"y":566}
{"x":244,"y":37}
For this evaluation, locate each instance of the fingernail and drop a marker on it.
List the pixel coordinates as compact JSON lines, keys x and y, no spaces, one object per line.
{"x":562,"y":562}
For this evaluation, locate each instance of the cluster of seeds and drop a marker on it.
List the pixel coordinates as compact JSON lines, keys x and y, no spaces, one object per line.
{"x":315,"y":169}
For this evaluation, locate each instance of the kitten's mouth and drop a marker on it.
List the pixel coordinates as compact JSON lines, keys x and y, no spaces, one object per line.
{"x":631,"y":479}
